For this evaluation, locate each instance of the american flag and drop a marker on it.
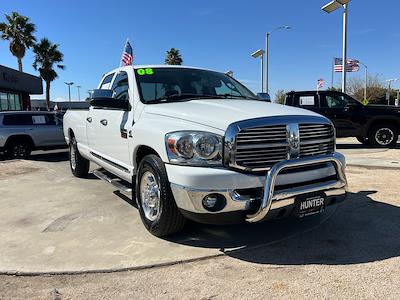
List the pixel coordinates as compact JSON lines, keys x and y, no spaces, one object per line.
{"x":127,"y":55}
{"x":352,"y":65}
{"x":320,"y":83}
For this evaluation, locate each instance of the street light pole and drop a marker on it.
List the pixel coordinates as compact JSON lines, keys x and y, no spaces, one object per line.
{"x":344,"y":60}
{"x":266,"y":78}
{"x":79,"y":92}
{"x":329,"y":8}
{"x":260,"y":53}
{"x":266,"y":84}
{"x":69,"y":89}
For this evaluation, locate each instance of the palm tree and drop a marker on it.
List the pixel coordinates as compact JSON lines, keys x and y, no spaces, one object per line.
{"x":46,"y":56}
{"x":173,"y":57}
{"x":19,"y":32}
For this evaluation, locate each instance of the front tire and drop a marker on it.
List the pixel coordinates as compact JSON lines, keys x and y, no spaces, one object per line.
{"x":155,"y":201}
{"x":383,"y":135}
{"x":79,"y":165}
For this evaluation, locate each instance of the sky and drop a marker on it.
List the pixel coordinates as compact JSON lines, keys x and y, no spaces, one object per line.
{"x":218,"y":35}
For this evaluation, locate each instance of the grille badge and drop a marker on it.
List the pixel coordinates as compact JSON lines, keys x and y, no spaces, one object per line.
{"x":293,"y":138}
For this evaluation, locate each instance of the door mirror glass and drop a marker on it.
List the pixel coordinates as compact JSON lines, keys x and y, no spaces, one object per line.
{"x":104,"y":99}
{"x":264,"y":96}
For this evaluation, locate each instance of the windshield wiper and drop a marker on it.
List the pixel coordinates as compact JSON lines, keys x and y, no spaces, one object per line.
{"x":226,"y":96}
{"x":183,"y":97}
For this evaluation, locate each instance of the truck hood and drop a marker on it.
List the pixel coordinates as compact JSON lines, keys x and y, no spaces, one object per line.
{"x":220,"y":113}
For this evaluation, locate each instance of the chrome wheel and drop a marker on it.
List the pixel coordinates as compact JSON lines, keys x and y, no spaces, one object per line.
{"x":384,"y":136}
{"x":72,"y":153}
{"x":150,"y":196}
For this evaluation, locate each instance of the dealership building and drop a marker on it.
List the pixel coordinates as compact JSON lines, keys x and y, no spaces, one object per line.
{"x":16,"y":88}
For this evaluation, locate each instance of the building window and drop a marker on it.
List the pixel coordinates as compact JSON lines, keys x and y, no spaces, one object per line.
{"x":10,"y":101}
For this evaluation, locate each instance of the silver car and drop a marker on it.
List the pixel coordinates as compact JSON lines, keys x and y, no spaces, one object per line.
{"x":24,"y":131}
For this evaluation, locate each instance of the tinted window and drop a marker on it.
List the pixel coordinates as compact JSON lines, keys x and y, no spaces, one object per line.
{"x":17,"y":119}
{"x":174,"y":84}
{"x":335,"y":101}
{"x":106,"y":82}
{"x":121,"y":86}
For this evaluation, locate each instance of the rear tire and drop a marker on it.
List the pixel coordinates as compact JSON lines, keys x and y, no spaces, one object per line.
{"x":19,"y":149}
{"x":384,"y":135}
{"x":79,"y":165}
{"x":158,"y":210}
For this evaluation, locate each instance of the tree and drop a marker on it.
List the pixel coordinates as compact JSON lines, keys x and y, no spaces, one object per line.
{"x":19,"y":32}
{"x":46,"y":56}
{"x":280,"y":97}
{"x":173,"y":57}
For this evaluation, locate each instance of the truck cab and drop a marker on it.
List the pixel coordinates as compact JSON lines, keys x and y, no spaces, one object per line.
{"x":373,"y":124}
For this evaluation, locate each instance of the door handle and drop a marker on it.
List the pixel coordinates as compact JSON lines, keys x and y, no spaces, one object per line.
{"x":104,"y":122}
{"x":89,"y":119}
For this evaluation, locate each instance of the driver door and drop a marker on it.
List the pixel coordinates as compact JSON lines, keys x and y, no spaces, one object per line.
{"x":108,"y":133}
{"x":335,"y":107}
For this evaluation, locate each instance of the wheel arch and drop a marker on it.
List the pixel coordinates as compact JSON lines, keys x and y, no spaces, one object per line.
{"x":16,"y":137}
{"x":388,"y":121}
{"x":141,"y":152}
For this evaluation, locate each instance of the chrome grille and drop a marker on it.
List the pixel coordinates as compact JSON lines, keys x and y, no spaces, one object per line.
{"x":316,"y":139}
{"x":256,"y":145}
{"x":261,"y":147}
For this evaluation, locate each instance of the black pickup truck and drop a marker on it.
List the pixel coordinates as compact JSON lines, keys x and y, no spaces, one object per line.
{"x":377,"y":125}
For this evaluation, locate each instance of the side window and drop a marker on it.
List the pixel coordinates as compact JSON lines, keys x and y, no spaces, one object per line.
{"x":39,"y":119}
{"x":121,"y":86}
{"x":105,"y":85}
{"x":226,"y":88}
{"x":335,"y":101}
{"x":17,"y":119}
{"x":307,"y":101}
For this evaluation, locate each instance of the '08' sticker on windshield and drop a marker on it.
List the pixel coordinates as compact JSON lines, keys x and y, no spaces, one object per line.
{"x":147,"y":71}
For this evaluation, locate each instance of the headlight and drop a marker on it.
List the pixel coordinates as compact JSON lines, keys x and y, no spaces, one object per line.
{"x":195,"y":148}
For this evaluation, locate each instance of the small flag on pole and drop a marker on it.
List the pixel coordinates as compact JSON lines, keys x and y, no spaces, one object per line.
{"x":351,"y":66}
{"x":320,"y":84}
{"x":127,"y":55}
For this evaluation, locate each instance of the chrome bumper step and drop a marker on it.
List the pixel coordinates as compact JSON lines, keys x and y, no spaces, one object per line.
{"x":120,"y":185}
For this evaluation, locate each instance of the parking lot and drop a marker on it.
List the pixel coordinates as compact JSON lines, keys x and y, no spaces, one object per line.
{"x":82,"y":229}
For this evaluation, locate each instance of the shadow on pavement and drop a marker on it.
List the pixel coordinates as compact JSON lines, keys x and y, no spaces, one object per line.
{"x":358,"y":231}
{"x":53,"y":156}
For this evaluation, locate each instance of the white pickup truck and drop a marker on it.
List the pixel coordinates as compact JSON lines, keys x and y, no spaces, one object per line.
{"x":196,"y":144}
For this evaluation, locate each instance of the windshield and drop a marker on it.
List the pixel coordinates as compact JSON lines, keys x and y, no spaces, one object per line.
{"x":158,"y":85}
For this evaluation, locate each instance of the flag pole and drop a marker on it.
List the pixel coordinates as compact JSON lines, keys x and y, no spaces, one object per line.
{"x":333,"y":69}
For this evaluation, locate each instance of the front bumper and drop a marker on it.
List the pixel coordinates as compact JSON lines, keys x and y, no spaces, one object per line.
{"x":279,"y":188}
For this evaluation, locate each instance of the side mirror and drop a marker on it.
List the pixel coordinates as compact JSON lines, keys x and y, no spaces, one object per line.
{"x":264,"y":96}
{"x":105,"y":99}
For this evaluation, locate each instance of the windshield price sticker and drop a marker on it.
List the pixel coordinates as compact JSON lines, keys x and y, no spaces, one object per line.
{"x":147,"y":71}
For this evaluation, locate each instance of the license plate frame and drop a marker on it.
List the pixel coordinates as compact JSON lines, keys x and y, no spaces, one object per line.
{"x":310,"y":204}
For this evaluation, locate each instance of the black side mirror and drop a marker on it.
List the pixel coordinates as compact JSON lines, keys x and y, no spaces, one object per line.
{"x":104,"y":99}
{"x":264,"y":96}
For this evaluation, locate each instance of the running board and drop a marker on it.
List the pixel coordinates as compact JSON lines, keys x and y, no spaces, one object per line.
{"x":116,"y":182}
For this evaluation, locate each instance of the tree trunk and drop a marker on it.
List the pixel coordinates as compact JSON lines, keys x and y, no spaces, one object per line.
{"x":19,"y":63}
{"x":48,"y":95}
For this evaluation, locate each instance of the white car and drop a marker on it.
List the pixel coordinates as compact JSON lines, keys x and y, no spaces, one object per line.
{"x":196,"y":144}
